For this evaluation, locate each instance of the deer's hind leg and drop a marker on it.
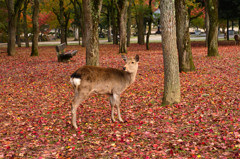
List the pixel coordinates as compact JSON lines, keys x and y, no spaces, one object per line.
{"x":79,"y":97}
{"x":112,"y":103}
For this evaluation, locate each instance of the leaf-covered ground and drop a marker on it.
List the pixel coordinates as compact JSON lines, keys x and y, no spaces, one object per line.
{"x":35,"y":103}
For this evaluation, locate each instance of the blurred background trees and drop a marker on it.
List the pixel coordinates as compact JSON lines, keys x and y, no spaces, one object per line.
{"x":62,"y":19}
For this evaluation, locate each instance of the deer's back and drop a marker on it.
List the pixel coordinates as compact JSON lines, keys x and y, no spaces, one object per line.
{"x":103,"y":80}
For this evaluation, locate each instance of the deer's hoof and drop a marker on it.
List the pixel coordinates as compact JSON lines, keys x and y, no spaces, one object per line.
{"x":122,"y":121}
{"x":113,"y":120}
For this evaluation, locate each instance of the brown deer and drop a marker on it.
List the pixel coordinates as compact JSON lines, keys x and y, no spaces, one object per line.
{"x":91,"y":79}
{"x":237,"y":39}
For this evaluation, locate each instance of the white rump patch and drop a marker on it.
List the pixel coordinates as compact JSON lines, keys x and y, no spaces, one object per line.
{"x":75,"y":81}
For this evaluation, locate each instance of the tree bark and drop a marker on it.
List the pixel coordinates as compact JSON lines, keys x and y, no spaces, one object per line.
{"x":18,"y":32}
{"x":35,"y":28}
{"x":140,"y":24}
{"x":66,"y":17}
{"x":115,"y":29}
{"x":123,"y":23}
{"x":213,"y":28}
{"x":206,"y":22}
{"x":114,"y":21}
{"x":25,"y":27}
{"x":149,"y":24}
{"x":129,"y":13}
{"x":183,"y":37}
{"x":13,"y":9}
{"x":61,"y":21}
{"x":11,"y":49}
{"x":170,"y":56}
{"x":92,"y":9}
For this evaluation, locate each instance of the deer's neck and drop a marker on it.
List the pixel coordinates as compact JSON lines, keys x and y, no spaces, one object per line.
{"x":132,"y":77}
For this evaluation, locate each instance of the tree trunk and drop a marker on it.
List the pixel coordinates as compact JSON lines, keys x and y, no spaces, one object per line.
{"x":140,"y":25}
{"x":213,"y":29}
{"x":84,"y":32}
{"x":206,"y":22}
{"x":129,"y":13}
{"x":109,"y":26}
{"x":123,"y":23}
{"x":11,"y":49}
{"x":13,"y":9}
{"x":25,"y":27}
{"x":114,"y":29}
{"x":18,"y":33}
{"x":61,"y":21}
{"x":92,"y":11}
{"x":149,"y":24}
{"x":114,"y":24}
{"x":170,"y":56}
{"x":35,"y":28}
{"x":66,"y":17}
{"x":183,"y":37}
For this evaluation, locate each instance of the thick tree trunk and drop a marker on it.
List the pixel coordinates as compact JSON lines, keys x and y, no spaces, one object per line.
{"x":129,"y":13}
{"x":35,"y":28}
{"x":140,"y":25}
{"x":18,"y":33}
{"x":114,"y":21}
{"x":114,"y":28}
{"x":25,"y":27}
{"x":61,"y":21}
{"x":11,"y":49}
{"x":13,"y":8}
{"x":123,"y":23}
{"x":183,"y":37}
{"x":213,"y":29}
{"x":149,"y":24}
{"x":92,"y":11}
{"x":170,"y":56}
{"x":66,"y":17}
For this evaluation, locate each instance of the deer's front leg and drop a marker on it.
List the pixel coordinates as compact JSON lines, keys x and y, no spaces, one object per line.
{"x":117,"y":102}
{"x":112,"y":103}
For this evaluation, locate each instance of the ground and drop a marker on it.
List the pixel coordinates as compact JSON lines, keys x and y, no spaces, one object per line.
{"x":36,"y":95}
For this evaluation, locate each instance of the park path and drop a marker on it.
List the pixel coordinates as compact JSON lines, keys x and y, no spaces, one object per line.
{"x":153,"y":38}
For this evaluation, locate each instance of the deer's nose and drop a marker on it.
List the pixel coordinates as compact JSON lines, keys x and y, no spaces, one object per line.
{"x":124,"y":68}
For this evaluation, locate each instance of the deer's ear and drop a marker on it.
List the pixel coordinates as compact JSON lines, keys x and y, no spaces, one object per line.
{"x":124,"y":58}
{"x":137,"y":58}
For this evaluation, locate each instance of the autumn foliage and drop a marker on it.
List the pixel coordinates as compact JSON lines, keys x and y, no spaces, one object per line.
{"x":36,"y":95}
